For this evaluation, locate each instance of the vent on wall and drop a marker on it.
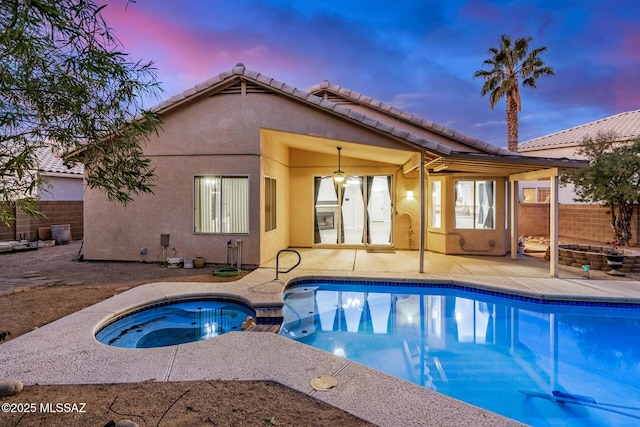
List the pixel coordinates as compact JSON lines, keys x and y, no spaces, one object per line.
{"x":241,"y":87}
{"x":336,"y":99}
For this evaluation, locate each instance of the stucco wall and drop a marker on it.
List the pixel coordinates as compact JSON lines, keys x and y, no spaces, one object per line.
{"x":275,"y":164}
{"x":62,"y":188}
{"x":116,"y":232}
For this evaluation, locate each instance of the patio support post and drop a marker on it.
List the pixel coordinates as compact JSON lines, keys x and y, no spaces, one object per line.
{"x":551,"y":174}
{"x":553,"y":226}
{"x":422,"y":212}
{"x":513,"y":211}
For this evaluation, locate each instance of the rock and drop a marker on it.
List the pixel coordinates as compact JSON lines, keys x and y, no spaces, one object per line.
{"x":126,"y":423}
{"x":10,"y":387}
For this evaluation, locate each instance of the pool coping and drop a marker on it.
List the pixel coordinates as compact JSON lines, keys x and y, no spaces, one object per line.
{"x":66,"y":351}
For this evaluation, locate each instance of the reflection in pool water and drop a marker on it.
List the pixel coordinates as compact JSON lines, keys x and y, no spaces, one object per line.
{"x":489,"y":350}
{"x":175,"y":323}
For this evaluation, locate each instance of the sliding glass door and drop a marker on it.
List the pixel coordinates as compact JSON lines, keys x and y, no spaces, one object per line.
{"x":354,"y":212}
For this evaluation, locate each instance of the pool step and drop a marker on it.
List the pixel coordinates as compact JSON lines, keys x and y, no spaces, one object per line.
{"x":264,"y":328}
{"x":268,"y":319}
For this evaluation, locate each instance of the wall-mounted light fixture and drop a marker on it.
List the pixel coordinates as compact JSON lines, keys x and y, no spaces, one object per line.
{"x":409,"y":195}
{"x":441,"y":167}
{"x":339,"y":176}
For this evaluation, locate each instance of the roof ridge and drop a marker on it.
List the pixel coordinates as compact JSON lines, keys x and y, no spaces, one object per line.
{"x":408,"y":117}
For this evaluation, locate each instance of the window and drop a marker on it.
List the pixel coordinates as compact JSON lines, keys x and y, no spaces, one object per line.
{"x":536,"y":195}
{"x":358,"y":211}
{"x":475,"y":204}
{"x":221,"y":204}
{"x":436,"y":204}
{"x":270,"y":220}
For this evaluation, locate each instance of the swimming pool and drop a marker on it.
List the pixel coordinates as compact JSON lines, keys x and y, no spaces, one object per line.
{"x":174,"y":322}
{"x":503,"y":353}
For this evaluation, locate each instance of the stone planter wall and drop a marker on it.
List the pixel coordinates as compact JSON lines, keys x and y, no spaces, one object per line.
{"x":594,"y":256}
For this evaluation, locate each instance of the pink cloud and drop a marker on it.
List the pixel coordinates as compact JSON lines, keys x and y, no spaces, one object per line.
{"x":185,"y":56}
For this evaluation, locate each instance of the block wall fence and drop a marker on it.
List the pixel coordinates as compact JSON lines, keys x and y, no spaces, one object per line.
{"x":577,"y":223}
{"x":56,"y":212}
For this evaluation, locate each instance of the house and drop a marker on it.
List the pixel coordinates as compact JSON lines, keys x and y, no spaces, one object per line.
{"x":248,"y":163}
{"x":60,"y":199}
{"x":576,"y":220}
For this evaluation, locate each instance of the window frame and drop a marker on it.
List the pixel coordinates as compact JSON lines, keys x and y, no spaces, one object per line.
{"x":198,"y":227}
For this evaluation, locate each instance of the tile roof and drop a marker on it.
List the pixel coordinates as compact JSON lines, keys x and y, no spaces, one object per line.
{"x":626,"y":125}
{"x":307,"y":97}
{"x":408,"y":117}
{"x":50,"y":162}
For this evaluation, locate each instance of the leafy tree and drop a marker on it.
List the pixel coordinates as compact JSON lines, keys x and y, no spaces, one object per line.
{"x":613,"y":179}
{"x":65,"y":85}
{"x":508,"y":64}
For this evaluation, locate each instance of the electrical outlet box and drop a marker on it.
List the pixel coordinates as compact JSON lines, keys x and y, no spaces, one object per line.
{"x":164,"y":239}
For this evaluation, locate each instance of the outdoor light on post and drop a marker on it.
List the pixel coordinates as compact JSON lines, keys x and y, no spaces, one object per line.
{"x":339,"y":176}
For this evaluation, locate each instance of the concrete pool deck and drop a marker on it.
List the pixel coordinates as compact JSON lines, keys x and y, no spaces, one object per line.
{"x":66,"y":352}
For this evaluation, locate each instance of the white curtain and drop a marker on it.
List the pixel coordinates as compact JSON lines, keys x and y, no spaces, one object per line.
{"x":235,"y":205}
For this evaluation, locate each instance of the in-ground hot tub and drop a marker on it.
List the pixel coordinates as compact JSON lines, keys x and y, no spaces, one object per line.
{"x":175,"y":322}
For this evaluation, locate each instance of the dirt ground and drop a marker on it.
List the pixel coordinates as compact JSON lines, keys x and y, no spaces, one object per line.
{"x":53,"y":274}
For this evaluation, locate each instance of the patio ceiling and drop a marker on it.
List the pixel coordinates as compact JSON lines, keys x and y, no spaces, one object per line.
{"x":349,"y":149}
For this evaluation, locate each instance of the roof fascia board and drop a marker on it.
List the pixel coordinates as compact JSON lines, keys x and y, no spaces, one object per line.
{"x":535,"y":175}
{"x":62,"y":175}
{"x":562,"y":163}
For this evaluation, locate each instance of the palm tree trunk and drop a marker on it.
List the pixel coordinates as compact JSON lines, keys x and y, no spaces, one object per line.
{"x":512,"y":124}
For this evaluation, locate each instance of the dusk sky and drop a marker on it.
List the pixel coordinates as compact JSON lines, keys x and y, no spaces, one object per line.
{"x":417,"y":55}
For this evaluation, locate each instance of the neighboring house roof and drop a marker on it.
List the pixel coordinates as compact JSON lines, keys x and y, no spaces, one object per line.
{"x":50,"y":163}
{"x":262,"y":81}
{"x":625,"y":125}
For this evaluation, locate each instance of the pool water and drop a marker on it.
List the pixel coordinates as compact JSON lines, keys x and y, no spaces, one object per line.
{"x":505,"y":354}
{"x":175,"y":323}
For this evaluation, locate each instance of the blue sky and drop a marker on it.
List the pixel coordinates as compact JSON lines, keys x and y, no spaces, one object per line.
{"x":419,"y":56}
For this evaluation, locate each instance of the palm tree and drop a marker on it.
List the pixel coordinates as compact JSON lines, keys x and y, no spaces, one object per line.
{"x":508,"y":64}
